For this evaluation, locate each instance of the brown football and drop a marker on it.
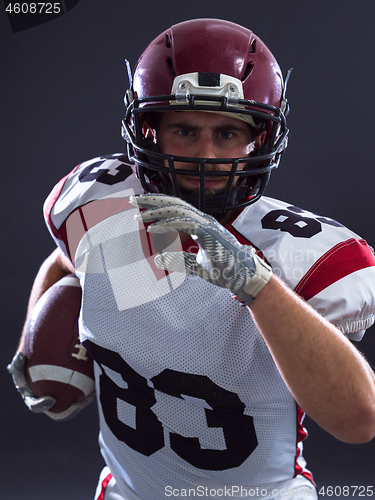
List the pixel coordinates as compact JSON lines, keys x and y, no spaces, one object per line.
{"x":57,"y":364}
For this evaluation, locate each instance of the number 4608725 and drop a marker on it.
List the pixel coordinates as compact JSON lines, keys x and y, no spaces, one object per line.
{"x":346,"y":491}
{"x":33,"y":8}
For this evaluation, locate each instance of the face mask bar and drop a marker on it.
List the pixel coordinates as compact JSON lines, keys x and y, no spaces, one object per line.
{"x":222,"y":202}
{"x":151,"y":163}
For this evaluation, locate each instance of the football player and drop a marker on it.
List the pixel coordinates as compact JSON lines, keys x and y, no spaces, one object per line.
{"x":217,"y":317}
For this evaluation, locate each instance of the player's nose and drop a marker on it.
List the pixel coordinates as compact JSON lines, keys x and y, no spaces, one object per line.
{"x":205,"y":148}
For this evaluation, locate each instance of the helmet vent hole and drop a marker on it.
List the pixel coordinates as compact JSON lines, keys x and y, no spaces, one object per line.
{"x":170,"y":66}
{"x":168,"y":43}
{"x":247,"y":71}
{"x":252,"y":46}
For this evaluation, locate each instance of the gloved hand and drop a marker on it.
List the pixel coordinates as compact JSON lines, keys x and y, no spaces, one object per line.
{"x":221,"y":259}
{"x":17,"y":369}
{"x":40,"y":405}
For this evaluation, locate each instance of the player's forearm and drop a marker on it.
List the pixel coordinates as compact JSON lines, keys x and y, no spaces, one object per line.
{"x":327,"y":376}
{"x":55,"y":267}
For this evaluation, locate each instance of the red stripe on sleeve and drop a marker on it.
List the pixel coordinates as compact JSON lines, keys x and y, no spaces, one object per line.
{"x":343,"y":259}
{"x":52,"y":200}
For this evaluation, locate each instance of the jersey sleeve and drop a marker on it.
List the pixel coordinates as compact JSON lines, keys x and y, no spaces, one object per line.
{"x":328,"y":265}
{"x":93,"y":191}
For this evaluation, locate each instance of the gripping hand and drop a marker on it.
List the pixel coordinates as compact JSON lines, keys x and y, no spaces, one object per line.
{"x":17,"y":369}
{"x":40,"y":405}
{"x":221,"y":259}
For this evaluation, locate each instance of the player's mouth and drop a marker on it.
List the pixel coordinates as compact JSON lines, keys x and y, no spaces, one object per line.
{"x":191,"y":184}
{"x":208,"y":182}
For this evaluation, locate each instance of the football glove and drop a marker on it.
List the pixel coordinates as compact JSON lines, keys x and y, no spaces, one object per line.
{"x":40,"y":405}
{"x":221,"y":259}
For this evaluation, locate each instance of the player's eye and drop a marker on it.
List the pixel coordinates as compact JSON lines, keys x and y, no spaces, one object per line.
{"x":226,"y":134}
{"x":184,"y":132}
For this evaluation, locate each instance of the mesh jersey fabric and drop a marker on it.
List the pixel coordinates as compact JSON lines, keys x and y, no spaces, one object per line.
{"x":188,"y":392}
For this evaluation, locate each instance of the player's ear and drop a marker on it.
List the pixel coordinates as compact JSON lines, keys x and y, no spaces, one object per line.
{"x":259,"y":137}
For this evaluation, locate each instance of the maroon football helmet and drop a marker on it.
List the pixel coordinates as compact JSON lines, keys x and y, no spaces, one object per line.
{"x":208,"y":65}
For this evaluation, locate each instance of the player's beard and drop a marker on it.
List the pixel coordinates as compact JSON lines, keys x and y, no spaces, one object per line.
{"x":207,"y":192}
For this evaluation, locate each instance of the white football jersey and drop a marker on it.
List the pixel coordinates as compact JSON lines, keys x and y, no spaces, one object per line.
{"x":188,"y":393}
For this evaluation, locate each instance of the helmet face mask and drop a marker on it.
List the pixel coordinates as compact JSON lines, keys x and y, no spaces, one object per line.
{"x":209,"y":91}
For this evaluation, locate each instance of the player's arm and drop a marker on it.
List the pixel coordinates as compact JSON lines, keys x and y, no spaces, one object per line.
{"x":326,"y":375}
{"x":55,"y":267}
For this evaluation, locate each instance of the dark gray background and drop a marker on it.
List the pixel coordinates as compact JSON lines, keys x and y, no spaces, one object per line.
{"x":62,"y":87}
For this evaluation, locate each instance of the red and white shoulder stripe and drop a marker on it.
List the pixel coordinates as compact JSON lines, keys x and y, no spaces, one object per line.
{"x":96,"y":187}
{"x":324,"y":262}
